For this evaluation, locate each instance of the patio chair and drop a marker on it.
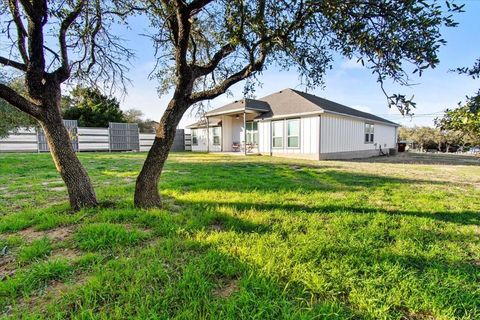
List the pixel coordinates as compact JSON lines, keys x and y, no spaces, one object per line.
{"x":236,"y":147}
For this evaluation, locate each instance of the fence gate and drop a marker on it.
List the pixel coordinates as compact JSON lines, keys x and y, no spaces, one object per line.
{"x":72,"y":128}
{"x":124,"y":136}
{"x":179,"y":141}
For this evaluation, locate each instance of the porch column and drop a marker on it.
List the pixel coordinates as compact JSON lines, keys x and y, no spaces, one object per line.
{"x":245,"y":132}
{"x":208,"y":136}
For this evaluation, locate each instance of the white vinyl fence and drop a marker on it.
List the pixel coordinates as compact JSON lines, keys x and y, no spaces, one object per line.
{"x":91,"y":139}
{"x":146,"y":141}
{"x":24,"y":140}
{"x":182,"y":141}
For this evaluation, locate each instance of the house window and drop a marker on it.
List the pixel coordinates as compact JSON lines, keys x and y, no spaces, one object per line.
{"x":252,"y":132}
{"x":277,"y":134}
{"x":194,"y":138}
{"x":216,"y":136}
{"x":293,"y":133}
{"x":369,"y":132}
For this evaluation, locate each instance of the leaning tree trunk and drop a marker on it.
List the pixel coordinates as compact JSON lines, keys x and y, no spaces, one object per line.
{"x":146,"y":189}
{"x":80,"y":189}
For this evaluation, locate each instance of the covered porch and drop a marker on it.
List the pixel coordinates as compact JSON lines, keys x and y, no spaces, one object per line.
{"x":232,"y":128}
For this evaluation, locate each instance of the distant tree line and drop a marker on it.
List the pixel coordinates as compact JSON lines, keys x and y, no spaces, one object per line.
{"x":457,"y":129}
{"x":424,"y":138}
{"x":465,"y":118}
{"x":87,"y":105}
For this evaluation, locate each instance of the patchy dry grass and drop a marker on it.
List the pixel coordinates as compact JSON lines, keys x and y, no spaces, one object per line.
{"x":243,"y":238}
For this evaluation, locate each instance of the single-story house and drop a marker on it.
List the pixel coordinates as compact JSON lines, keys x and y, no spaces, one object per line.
{"x":294,"y":124}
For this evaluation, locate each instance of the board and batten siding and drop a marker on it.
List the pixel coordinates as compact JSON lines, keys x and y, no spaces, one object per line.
{"x":343,"y":134}
{"x":309,"y":138}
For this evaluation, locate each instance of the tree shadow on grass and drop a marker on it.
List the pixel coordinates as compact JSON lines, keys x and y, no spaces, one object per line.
{"x":425,"y":159}
{"x":465,"y":217}
{"x":187,"y":277}
{"x":235,"y":176}
{"x":183,"y":276}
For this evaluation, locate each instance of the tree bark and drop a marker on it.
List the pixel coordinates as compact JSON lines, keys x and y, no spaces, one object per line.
{"x":80,"y":190}
{"x":146,"y":189}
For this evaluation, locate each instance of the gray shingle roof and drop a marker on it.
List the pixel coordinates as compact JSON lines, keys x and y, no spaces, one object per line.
{"x":241,"y":105}
{"x":331,"y":106}
{"x":290,"y":102}
{"x":203,"y":124}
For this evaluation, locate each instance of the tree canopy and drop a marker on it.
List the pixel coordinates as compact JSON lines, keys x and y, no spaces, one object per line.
{"x":145,"y":125}
{"x":11,"y":119}
{"x":92,"y":108}
{"x":223,"y":42}
{"x":465,"y":118}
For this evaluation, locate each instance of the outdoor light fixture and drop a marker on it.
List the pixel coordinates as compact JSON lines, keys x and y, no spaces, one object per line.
{"x":237,"y":117}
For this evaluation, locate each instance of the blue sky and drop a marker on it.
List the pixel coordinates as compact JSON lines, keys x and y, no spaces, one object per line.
{"x":347,"y":83}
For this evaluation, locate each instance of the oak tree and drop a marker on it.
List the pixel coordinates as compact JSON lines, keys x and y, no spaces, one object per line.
{"x":465,"y":118}
{"x":204,"y":47}
{"x":48,"y":43}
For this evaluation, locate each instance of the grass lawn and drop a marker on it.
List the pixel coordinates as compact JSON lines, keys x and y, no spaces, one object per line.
{"x":242,"y":238}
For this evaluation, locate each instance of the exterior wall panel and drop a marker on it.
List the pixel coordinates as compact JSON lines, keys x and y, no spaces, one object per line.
{"x":342,"y":134}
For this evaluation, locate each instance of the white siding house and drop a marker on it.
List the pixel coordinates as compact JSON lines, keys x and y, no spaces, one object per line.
{"x":294,"y":124}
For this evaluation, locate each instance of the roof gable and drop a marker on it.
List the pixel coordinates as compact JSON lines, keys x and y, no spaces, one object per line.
{"x":330,"y":106}
{"x":290,"y":102}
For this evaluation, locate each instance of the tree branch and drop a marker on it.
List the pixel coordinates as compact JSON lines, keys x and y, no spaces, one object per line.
{"x":181,"y":26}
{"x":63,"y":72}
{"x":197,"y":5}
{"x":21,"y":32}
{"x":13,"y":64}
{"x":16,"y":100}
{"x":199,"y":71}
{"x":221,"y":88}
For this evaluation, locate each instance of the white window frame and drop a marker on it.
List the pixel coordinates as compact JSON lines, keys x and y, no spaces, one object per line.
{"x":369,"y":129}
{"x":288,"y":136}
{"x":194,"y":137}
{"x":251,"y":133}
{"x":219,"y":135}
{"x":282,"y":132}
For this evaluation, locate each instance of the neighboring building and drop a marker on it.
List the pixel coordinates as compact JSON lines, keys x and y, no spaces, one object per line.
{"x":294,"y":124}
